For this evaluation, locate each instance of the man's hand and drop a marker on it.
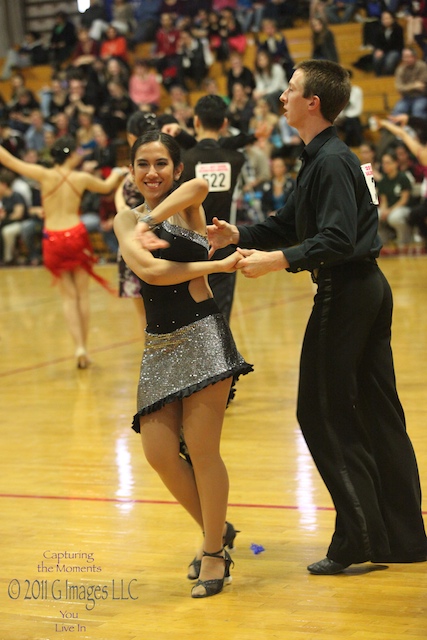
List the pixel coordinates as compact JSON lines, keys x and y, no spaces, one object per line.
{"x":147,"y":239}
{"x":172,"y":129}
{"x":257,"y":263}
{"x":230,"y":263}
{"x":221,"y":234}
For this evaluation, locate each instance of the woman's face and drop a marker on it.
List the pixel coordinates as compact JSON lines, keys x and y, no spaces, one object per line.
{"x":389,"y":165}
{"x":154,"y":172}
{"x":366,"y":154}
{"x":278,"y":167}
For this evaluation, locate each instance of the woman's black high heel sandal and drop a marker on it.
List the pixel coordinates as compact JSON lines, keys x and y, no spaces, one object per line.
{"x":228,"y":539}
{"x":212,"y":587}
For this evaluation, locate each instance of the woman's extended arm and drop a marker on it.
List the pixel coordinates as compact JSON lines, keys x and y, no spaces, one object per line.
{"x":30,"y":170}
{"x":161,"y":272}
{"x":98,"y":185}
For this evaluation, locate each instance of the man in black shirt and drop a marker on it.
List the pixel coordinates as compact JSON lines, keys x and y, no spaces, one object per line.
{"x":348,"y":407}
{"x":221,"y":167}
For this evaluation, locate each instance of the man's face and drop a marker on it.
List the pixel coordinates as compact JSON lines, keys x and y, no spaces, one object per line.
{"x":294,"y":103}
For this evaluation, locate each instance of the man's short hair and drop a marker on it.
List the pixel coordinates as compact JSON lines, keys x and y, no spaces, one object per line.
{"x":211,"y":111}
{"x":330,"y":82}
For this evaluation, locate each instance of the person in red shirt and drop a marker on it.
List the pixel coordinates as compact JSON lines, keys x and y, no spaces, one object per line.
{"x":166,"y":49}
{"x":114,"y":45}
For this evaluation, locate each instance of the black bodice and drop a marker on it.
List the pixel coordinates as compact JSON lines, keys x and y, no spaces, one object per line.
{"x":170,"y":307}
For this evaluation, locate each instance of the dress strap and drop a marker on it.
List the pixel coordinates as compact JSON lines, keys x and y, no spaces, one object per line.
{"x":63,"y":180}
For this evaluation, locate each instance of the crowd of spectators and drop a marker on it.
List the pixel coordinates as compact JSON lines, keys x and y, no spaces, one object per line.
{"x":99,"y":81}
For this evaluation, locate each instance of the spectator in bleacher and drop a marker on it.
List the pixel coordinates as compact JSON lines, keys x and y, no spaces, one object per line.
{"x":264,"y":116}
{"x":394,"y":191}
{"x":114,"y":45}
{"x":54,"y":98}
{"x":249,"y":13}
{"x":147,"y":15}
{"x":388,"y":46}
{"x":416,"y":26}
{"x":123,"y":16}
{"x":277,"y":189}
{"x":62,"y":124}
{"x":20,"y":109}
{"x":180,"y":107}
{"x":270,"y":79}
{"x":165,"y":50}
{"x":123,"y":19}
{"x":317,"y":9}
{"x":13,"y":211}
{"x":191,"y":60}
{"x":17,"y":81}
{"x":116,"y":110}
{"x":45,"y":154}
{"x":86,"y":50}
{"x":3,"y":107}
{"x":80,"y":100}
{"x":239,"y":73}
{"x":323,"y":41}
{"x":349,"y":122}
{"x":233,"y":38}
{"x":95,"y":12}
{"x":341,"y":11}
{"x":85,"y":134}
{"x":63,"y":39}
{"x":144,"y":86}
{"x":371,"y":16}
{"x":178,"y":8}
{"x":409,"y":164}
{"x":411,"y":83}
{"x":413,"y":133}
{"x":103,"y":156}
{"x":210,"y":87}
{"x":283,"y":12}
{"x":116,"y":71}
{"x":35,"y":134}
{"x":272,"y":40}
{"x":241,"y":108}
{"x":9,"y":139}
{"x":30,"y":53}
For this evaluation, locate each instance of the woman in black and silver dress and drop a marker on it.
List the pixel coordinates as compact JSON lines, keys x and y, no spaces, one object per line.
{"x":190,"y":359}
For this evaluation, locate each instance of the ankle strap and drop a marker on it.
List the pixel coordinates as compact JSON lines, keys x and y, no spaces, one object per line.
{"x":217,"y":554}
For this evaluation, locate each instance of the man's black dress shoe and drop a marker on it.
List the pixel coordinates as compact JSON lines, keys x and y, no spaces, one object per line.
{"x":326,"y":567}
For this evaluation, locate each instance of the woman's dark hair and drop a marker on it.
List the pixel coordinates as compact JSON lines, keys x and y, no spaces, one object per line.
{"x":62,"y":149}
{"x":157,"y":136}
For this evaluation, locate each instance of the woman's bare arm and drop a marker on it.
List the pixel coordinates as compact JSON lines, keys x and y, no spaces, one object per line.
{"x":28,"y":169}
{"x":154,"y":270}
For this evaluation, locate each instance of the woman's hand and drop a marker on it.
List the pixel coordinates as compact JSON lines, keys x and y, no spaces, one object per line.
{"x":221,"y":234}
{"x":229,"y":264}
{"x":147,"y":239}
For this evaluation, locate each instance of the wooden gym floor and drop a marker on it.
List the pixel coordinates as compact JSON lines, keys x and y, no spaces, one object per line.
{"x":93,"y":546}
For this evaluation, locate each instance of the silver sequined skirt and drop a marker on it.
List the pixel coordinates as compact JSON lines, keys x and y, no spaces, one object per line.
{"x":177,"y":364}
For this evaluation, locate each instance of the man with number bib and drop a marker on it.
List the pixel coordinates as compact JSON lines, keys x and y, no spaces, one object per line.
{"x":221,"y":168}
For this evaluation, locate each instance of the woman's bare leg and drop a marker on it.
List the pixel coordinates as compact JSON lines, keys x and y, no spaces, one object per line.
{"x":160,"y":433}
{"x":74,"y":289}
{"x":203,"y":415}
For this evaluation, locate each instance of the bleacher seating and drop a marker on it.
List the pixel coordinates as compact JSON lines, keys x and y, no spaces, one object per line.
{"x":379,"y":92}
